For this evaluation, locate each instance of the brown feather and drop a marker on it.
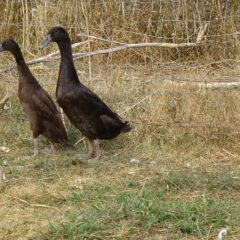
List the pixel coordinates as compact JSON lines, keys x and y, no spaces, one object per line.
{"x":37,"y":104}
{"x":84,"y":108}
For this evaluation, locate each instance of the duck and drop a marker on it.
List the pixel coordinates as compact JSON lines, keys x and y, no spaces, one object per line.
{"x":38,"y":106}
{"x":84,"y":108}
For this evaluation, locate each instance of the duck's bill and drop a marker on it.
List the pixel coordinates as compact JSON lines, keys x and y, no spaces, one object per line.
{"x":45,"y":42}
{"x":1,"y":48}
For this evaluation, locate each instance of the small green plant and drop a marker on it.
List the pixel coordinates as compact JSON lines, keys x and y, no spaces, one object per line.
{"x":144,"y":209}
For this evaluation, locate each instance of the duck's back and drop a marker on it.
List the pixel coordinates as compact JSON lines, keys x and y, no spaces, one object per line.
{"x":88,"y":112}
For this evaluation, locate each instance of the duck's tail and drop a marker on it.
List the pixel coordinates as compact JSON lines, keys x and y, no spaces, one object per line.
{"x":67,"y":144}
{"x":126,"y":127}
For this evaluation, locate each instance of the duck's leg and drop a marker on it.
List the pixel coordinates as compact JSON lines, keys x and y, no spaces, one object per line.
{"x":50,"y":149}
{"x":97,"y":148}
{"x":35,"y":154}
{"x":2,"y":175}
{"x":90,"y":153}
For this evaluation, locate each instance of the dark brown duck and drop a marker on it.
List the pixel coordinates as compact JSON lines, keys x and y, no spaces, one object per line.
{"x":37,"y":104}
{"x":84,"y":108}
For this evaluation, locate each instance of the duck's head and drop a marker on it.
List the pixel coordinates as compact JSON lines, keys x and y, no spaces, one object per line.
{"x":9,"y":45}
{"x":56,"y":34}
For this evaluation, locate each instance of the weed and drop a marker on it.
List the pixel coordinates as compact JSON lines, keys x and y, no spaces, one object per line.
{"x":145,"y":209}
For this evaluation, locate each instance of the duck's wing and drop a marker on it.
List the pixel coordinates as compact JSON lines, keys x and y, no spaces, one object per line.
{"x":44,"y":105}
{"x":111,"y":120}
{"x":92,"y":103}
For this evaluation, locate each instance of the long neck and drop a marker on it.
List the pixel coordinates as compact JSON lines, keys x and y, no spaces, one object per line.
{"x":24,"y":72}
{"x":18,"y":57}
{"x":67,"y":72}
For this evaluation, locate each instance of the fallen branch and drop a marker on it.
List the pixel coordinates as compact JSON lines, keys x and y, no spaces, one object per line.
{"x":47,"y":58}
{"x":132,"y":45}
{"x":226,"y":85}
{"x":213,"y":86}
{"x":200,"y":36}
{"x":55,"y":56}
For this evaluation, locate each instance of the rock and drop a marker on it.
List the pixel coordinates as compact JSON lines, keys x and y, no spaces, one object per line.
{"x":152,"y":162}
{"x":222,"y":233}
{"x":134,"y":160}
{"x":4,"y":149}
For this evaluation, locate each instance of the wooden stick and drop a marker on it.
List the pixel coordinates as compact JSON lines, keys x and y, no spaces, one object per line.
{"x":112,"y":50}
{"x":133,"y":45}
{"x":213,"y":86}
{"x":220,"y":85}
{"x":35,"y":205}
{"x":55,"y":55}
{"x":47,"y":58}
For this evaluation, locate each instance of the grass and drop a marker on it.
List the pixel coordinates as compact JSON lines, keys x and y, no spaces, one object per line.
{"x":185,"y":187}
{"x":135,"y":211}
{"x":131,"y":22}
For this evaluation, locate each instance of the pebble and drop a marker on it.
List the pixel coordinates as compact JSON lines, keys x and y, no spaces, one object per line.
{"x":134,"y":160}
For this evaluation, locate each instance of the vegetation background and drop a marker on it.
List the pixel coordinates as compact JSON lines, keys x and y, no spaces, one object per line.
{"x":177,"y":174}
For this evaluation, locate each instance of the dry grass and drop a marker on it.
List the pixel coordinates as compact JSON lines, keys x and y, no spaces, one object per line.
{"x":186,"y":185}
{"x":185,"y":137}
{"x":130,"y":22}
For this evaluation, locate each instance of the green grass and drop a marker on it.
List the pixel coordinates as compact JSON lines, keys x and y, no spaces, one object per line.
{"x":193,"y":180}
{"x":183,"y":187}
{"x":125,"y":210}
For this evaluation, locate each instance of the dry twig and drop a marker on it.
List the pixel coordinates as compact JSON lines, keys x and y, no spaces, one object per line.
{"x":56,"y":56}
{"x":213,"y":86}
{"x":35,"y":205}
{"x":47,"y":58}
